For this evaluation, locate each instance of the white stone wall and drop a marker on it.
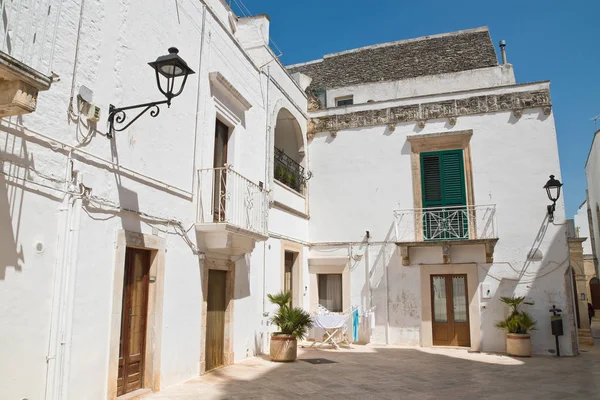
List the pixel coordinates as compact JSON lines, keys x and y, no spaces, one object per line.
{"x":582,"y":224}
{"x":426,"y":85}
{"x":150,"y":167}
{"x":363,"y":174}
{"x":592,"y":171}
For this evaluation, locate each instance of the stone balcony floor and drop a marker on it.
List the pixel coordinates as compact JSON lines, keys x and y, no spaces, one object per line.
{"x":370,"y":372}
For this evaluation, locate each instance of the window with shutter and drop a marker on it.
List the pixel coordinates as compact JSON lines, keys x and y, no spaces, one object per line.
{"x":443,"y":186}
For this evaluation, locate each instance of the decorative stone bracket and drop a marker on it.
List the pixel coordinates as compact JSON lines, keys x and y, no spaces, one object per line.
{"x":422,"y":112}
{"x":19,"y":86}
{"x":446,"y":246}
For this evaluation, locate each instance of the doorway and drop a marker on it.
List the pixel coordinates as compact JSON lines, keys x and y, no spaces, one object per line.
{"x":450,"y":310}
{"x":288,"y":274}
{"x":134,"y":316}
{"x":216,"y":304}
{"x":220,"y":179}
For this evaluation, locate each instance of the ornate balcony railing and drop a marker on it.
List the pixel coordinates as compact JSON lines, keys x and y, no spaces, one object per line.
{"x":446,"y":223}
{"x":225,"y":196}
{"x":288,"y":171}
{"x":27,"y":31}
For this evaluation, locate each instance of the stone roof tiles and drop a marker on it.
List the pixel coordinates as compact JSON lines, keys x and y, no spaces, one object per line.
{"x":429,"y":55}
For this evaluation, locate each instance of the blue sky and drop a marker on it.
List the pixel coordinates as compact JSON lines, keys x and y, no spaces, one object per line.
{"x":546,"y":40}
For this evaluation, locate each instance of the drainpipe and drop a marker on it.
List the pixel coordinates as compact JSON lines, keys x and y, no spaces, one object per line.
{"x":70,"y":281}
{"x":59,"y":346}
{"x":267,"y":186}
{"x":387,"y":300}
{"x":194,"y":171}
{"x":52,"y":358}
{"x":368,"y":283}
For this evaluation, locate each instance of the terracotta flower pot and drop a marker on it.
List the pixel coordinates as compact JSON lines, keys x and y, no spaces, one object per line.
{"x":283,"y":347}
{"x":518,"y":344}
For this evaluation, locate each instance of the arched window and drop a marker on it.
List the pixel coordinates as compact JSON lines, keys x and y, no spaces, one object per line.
{"x":289,"y":152}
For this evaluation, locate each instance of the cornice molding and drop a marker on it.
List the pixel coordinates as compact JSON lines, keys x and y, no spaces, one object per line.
{"x":422,"y":112}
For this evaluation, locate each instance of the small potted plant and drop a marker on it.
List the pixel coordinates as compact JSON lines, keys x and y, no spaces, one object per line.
{"x":293,"y":323}
{"x":278,"y":172}
{"x":293,"y":182}
{"x":517,"y":326}
{"x":285,"y":177}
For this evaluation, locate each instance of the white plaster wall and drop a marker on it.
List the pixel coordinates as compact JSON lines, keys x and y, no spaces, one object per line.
{"x":592,"y":174}
{"x":150,"y":167}
{"x":583,"y":226}
{"x":27,"y":216}
{"x":363,"y":174}
{"x":289,"y":197}
{"x":426,"y":85}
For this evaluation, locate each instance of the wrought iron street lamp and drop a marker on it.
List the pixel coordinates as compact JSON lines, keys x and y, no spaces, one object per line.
{"x":553,"y":190}
{"x":172,"y":69}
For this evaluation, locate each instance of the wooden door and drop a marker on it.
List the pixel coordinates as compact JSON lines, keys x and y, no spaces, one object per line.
{"x":216,"y":304}
{"x":450,"y":310}
{"x":595,"y":293}
{"x":288,"y":278}
{"x":220,"y":160}
{"x":134,"y":314}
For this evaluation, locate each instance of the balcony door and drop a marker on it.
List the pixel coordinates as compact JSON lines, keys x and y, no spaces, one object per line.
{"x":450,"y":310}
{"x":220,"y":179}
{"x":444,"y":194}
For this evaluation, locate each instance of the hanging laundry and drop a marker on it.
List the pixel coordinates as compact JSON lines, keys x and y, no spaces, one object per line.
{"x":355,"y":325}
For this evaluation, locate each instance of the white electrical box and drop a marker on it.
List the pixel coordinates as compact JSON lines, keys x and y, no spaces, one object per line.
{"x":486,"y":291}
{"x":93,"y":113}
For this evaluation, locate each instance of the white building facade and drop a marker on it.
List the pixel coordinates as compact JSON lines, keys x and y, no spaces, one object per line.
{"x":136,"y":262}
{"x":428,"y":175}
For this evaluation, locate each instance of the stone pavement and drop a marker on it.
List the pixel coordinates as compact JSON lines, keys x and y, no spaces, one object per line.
{"x":370,"y":372}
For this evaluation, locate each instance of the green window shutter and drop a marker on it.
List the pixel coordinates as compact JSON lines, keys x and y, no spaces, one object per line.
{"x":431,"y":180}
{"x":443,"y":179}
{"x":453,"y":178}
{"x":443,"y":185}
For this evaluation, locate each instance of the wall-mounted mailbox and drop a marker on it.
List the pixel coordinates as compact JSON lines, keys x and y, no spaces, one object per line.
{"x":557,"y":326}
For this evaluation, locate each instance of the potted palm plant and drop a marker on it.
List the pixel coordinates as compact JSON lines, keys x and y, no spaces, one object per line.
{"x":293,"y":323}
{"x":517,"y":326}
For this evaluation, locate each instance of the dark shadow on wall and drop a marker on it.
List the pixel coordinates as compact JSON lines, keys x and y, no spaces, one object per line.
{"x":16,"y":165}
{"x":128,"y":199}
{"x":11,"y":251}
{"x":532,"y":285}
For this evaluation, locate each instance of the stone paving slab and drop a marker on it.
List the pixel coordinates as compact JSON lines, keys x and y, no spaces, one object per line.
{"x":372,"y":372}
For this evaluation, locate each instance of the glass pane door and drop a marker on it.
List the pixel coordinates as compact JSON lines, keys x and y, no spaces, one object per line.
{"x":440,"y":306}
{"x":459,"y":298}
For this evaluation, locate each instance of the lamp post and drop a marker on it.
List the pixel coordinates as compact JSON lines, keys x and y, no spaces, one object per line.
{"x":172,"y":68}
{"x":553,"y":191}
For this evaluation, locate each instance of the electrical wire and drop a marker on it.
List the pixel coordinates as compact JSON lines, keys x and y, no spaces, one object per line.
{"x":177,"y":225}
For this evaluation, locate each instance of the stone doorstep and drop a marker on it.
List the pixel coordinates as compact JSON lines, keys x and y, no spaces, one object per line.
{"x":136,"y":394}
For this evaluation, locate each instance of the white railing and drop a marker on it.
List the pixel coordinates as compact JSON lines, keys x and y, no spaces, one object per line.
{"x":446,"y":223}
{"x":226,"y":196}
{"x":28,"y":30}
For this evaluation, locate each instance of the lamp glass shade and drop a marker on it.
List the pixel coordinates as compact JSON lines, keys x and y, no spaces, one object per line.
{"x":171,"y":65}
{"x":553,"y":188}
{"x":170,"y":70}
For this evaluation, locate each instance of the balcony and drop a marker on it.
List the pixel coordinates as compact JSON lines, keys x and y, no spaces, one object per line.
{"x":26,"y":49}
{"x":232,"y":212}
{"x":447,"y":228}
{"x":288,"y":171}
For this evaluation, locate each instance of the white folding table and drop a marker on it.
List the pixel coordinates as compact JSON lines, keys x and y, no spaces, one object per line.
{"x":332,"y":324}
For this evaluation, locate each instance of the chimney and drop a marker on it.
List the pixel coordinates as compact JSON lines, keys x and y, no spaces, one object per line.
{"x":503,"y":51}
